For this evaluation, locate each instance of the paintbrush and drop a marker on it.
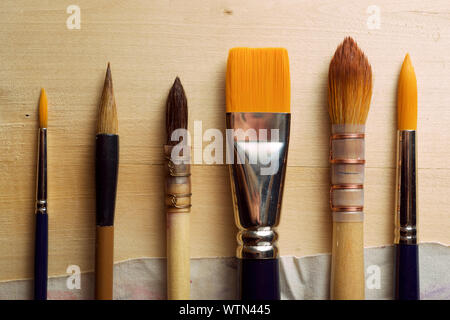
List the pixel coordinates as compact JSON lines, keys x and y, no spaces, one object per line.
{"x":41,"y":236}
{"x":178,"y":194}
{"x":349,"y":94}
{"x":258,"y":114}
{"x":106,"y":171}
{"x":405,"y":238}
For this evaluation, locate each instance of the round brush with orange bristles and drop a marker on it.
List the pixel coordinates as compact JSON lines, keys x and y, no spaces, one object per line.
{"x":349,"y":94}
{"x":41,"y":236}
{"x":405,"y":238}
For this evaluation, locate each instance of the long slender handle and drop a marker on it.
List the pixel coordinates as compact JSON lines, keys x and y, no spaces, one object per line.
{"x":104,"y":262}
{"x":259,"y":279}
{"x":347,"y":261}
{"x":41,"y":257}
{"x":178,"y":257}
{"x":407,"y":272}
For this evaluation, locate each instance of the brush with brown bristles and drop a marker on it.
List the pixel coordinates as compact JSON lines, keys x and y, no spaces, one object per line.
{"x":258,"y":116}
{"x":405,"y":237}
{"x":178,"y":195}
{"x":349,"y":94}
{"x":41,"y":236}
{"x":106,"y":171}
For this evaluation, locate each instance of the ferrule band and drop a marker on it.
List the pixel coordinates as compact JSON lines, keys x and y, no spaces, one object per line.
{"x":257,"y":159}
{"x":41,"y":176}
{"x":347,"y":173}
{"x":406,"y":190}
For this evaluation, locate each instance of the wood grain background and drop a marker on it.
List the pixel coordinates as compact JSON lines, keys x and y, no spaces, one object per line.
{"x":149,"y":43}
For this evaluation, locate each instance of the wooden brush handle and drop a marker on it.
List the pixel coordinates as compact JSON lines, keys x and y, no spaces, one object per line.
{"x":178,"y":206}
{"x":178,"y":260}
{"x":347,"y":265}
{"x":104,"y":262}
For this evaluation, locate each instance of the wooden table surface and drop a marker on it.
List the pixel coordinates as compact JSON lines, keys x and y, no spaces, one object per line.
{"x":149,"y":43}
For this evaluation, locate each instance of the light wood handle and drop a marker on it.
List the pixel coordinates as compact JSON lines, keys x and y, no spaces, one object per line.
{"x":347,"y":261}
{"x":104,"y":262}
{"x":178,"y":259}
{"x":178,"y":202}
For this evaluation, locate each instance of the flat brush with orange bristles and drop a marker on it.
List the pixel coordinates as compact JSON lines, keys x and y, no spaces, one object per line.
{"x":405,"y":237}
{"x":258,"y":114}
{"x":41,"y":236}
{"x":349,"y":95}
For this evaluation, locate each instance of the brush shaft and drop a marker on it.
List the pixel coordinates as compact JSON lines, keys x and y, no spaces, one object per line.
{"x":407,"y":272}
{"x":178,"y":259}
{"x":347,"y":261}
{"x":178,"y":206}
{"x":104,"y":262}
{"x":259,"y":279}
{"x":41,"y":257}
{"x":106,"y":171}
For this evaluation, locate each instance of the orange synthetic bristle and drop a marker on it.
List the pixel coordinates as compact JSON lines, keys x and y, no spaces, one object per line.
{"x":407,"y":97}
{"x":43,"y":109}
{"x":258,"y":80}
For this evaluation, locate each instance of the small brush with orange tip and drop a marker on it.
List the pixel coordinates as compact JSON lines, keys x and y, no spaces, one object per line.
{"x":405,"y":235}
{"x":258,"y":122}
{"x":41,"y":235}
{"x":349,"y":95}
{"x":106,"y":173}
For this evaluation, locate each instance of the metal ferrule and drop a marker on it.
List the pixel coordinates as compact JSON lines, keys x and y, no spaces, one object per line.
{"x":406,"y":190}
{"x":41,"y":176}
{"x":257,"y":148}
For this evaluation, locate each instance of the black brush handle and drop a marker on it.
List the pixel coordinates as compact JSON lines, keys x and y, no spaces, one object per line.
{"x":106,"y":170}
{"x":41,"y":257}
{"x":407,"y":272}
{"x":259,"y":279}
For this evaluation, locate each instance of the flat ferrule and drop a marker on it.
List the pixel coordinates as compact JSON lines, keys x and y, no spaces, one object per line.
{"x":257,"y":161}
{"x":41,"y":175}
{"x":406,"y":188}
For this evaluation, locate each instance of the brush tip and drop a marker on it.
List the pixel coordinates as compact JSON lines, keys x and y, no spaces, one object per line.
{"x":176,"y":110}
{"x":43,"y":109}
{"x":107,"y":118}
{"x":407,"y":97}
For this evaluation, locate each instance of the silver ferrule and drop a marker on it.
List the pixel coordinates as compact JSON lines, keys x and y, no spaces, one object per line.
{"x":257,"y":148}
{"x":41,"y":176}
{"x":406,"y":189}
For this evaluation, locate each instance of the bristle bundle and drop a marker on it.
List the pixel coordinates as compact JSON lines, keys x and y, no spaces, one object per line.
{"x":258,"y":80}
{"x":107,"y":111}
{"x":407,"y":97}
{"x":349,"y":85}
{"x":43,"y":109}
{"x":176,"y":110}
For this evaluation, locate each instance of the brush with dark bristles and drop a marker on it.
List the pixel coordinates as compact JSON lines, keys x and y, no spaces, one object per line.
{"x":41,"y":236}
{"x":178,"y":195}
{"x":405,"y":238}
{"x":349,"y":94}
{"x":106,"y":171}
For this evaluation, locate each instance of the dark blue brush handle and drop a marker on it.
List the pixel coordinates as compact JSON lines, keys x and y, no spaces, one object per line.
{"x":41,"y":257}
{"x":407,"y":272}
{"x":259,"y":279}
